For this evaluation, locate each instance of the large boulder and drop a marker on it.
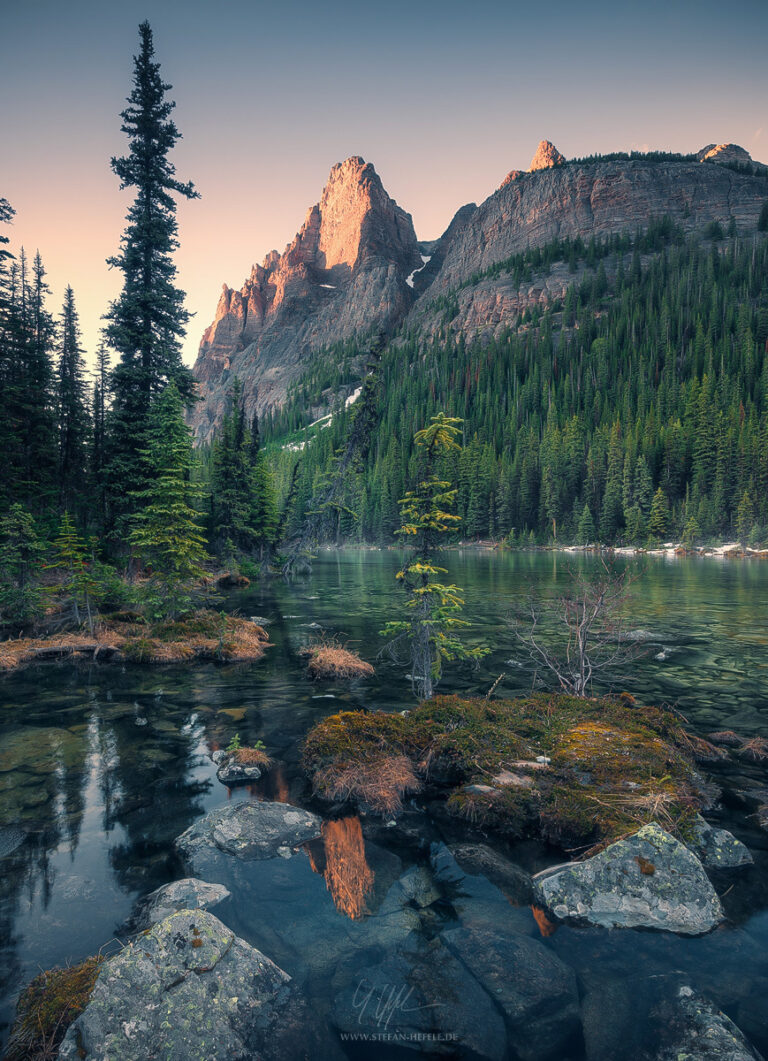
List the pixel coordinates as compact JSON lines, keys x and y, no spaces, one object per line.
{"x":717,"y":848}
{"x":535,"y":990}
{"x":189,"y":893}
{"x":649,"y":880}
{"x":251,"y":830}
{"x":188,"y":990}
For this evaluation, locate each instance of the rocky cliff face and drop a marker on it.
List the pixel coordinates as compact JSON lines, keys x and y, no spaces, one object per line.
{"x":343,"y":274}
{"x":355,"y":266}
{"x":560,"y":201}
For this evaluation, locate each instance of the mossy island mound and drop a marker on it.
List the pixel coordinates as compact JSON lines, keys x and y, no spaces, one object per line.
{"x":571,"y":771}
{"x":204,"y":636}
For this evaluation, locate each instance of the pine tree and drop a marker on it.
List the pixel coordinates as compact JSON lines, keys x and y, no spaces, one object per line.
{"x":431,"y":629}
{"x":585,"y":532}
{"x":146,"y":323}
{"x":745,"y":518}
{"x":166,"y":533}
{"x":72,"y":408}
{"x":21,"y":552}
{"x":658,"y":520}
{"x":71,"y":556}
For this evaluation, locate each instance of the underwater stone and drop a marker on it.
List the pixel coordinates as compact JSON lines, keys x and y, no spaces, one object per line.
{"x":252,"y":830}
{"x":649,"y":880}
{"x":717,"y":848}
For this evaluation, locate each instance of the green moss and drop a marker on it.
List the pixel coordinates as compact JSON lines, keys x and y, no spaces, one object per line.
{"x":614,"y":765}
{"x":47,"y":1007}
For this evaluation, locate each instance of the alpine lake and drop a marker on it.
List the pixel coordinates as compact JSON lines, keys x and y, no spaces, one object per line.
{"x":103,"y":766}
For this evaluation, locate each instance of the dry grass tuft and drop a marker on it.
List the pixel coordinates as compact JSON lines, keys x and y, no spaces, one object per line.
{"x":755,"y":748}
{"x":381,"y":783}
{"x":333,"y":661}
{"x":47,"y":1007}
{"x":252,"y":757}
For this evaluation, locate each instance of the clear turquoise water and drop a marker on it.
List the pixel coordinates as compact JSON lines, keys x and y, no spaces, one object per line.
{"x":101,"y":767}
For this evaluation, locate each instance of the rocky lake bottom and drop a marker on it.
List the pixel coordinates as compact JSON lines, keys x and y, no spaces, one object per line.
{"x":423,"y":935}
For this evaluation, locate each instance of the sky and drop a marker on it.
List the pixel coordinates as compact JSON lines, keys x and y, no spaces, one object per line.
{"x":444,"y":98}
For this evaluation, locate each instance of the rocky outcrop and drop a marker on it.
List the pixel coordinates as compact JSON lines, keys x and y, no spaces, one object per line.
{"x":188,"y":989}
{"x":723,"y":153}
{"x":545,"y":156}
{"x":251,"y":830}
{"x":649,"y":880}
{"x":343,"y":274}
{"x":233,"y":772}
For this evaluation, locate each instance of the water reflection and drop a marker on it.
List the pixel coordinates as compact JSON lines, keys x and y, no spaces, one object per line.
{"x":340,"y":858}
{"x":102,"y":767}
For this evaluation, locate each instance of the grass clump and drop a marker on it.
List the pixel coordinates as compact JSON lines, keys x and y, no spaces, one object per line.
{"x":328,"y":660}
{"x":561,"y":768}
{"x":47,"y":1007}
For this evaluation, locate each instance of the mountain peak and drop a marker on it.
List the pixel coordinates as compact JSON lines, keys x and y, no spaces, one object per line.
{"x":546,"y":157}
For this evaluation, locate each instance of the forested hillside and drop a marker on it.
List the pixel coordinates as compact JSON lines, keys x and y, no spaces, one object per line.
{"x":635,"y":409}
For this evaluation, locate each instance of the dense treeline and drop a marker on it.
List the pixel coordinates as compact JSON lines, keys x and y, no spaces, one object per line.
{"x":636,"y":410}
{"x":100,"y":478}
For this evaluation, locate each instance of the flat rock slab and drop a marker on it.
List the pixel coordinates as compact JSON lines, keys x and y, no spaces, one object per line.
{"x":189,"y":893}
{"x":717,"y":848}
{"x":534,"y":989}
{"x":188,"y":990}
{"x":252,"y":830}
{"x":649,"y":880}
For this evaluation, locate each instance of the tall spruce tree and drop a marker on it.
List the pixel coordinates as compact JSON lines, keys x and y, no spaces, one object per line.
{"x":146,"y":323}
{"x":72,"y":408}
{"x":166,"y":533}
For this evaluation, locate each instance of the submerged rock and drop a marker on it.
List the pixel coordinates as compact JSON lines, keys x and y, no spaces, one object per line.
{"x":188,"y":990}
{"x":702,"y":1032}
{"x":511,"y":879}
{"x":649,"y":880}
{"x":252,"y":830}
{"x":717,"y":848}
{"x":534,"y":989}
{"x":189,"y":893}
{"x":657,"y":1018}
{"x":11,"y":839}
{"x":420,"y":996}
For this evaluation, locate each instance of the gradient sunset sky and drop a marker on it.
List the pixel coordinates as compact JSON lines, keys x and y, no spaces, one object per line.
{"x":443,"y":97}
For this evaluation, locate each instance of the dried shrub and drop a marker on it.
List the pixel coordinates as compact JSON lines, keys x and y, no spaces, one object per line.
{"x":47,"y":1007}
